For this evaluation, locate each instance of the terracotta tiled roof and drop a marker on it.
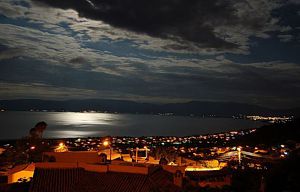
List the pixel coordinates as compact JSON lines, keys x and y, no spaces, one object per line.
{"x":161,"y":181}
{"x":58,"y":180}
{"x":206,"y":174}
{"x":110,"y":182}
{"x":79,"y":180}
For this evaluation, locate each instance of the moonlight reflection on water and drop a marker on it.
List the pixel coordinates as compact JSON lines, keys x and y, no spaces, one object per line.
{"x":72,"y":134}
{"x":84,"y":119}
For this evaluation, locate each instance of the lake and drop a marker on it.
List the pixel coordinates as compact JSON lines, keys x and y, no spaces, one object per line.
{"x":72,"y":124}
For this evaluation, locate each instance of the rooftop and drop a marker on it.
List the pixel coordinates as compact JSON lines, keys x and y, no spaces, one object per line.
{"x":79,"y":180}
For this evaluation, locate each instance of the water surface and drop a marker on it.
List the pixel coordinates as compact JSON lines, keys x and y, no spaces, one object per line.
{"x":71,"y":124}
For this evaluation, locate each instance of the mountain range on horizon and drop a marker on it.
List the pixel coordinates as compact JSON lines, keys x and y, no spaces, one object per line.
{"x":196,"y":108}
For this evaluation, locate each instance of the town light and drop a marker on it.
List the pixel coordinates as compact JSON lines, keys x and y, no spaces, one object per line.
{"x":61,"y":148}
{"x":105,"y":143}
{"x":32,"y":147}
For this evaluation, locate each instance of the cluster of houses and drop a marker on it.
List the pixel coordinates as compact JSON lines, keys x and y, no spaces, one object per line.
{"x":93,"y":171}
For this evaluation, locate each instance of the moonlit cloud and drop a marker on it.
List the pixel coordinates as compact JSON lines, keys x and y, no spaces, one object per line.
{"x":285,"y":38}
{"x":154,"y":51}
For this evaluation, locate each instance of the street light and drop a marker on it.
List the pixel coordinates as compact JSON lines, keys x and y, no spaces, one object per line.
{"x":107,"y":143}
{"x":146,"y":148}
{"x":239,"y":149}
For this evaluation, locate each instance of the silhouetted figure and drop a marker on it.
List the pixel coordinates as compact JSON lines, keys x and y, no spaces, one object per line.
{"x":37,"y":131}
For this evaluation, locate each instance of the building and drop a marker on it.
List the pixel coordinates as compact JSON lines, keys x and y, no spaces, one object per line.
{"x":20,"y":172}
{"x":91,"y":157}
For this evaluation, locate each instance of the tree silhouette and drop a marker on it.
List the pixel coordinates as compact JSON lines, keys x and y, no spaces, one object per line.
{"x":27,"y":149}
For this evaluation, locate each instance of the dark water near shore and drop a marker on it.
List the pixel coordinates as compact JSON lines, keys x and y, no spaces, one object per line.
{"x":70,"y":124}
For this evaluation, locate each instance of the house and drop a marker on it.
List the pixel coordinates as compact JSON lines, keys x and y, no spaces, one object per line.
{"x":72,"y":157}
{"x":20,"y":172}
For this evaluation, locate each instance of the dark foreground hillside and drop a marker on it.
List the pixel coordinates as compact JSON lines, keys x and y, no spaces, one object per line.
{"x":274,"y":134}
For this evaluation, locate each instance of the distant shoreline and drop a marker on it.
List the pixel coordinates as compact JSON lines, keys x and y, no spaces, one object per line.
{"x":2,"y":141}
{"x":192,"y":108}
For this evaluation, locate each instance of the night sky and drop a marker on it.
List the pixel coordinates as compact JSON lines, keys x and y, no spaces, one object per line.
{"x":156,"y":51}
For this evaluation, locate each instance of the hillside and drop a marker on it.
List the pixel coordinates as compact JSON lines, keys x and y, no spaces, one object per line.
{"x":123,"y":106}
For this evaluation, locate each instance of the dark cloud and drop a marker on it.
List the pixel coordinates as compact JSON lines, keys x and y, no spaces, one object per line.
{"x":78,"y":60}
{"x":266,"y":85}
{"x":188,"y":21}
{"x":8,"y":53}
